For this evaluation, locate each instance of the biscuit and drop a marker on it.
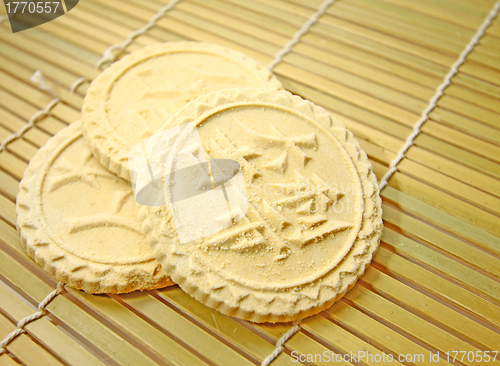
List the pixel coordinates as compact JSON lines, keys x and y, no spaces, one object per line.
{"x":79,"y":222}
{"x":131,"y":99}
{"x":314,"y":216}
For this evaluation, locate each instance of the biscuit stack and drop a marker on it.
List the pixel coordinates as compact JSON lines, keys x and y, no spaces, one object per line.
{"x":308,"y":226}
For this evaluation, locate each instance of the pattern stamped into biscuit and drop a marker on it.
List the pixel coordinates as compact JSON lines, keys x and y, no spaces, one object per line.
{"x":79,"y":221}
{"x":131,"y":99}
{"x":314,"y":212}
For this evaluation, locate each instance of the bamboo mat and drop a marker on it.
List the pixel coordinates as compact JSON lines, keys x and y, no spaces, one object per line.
{"x":433,"y":285}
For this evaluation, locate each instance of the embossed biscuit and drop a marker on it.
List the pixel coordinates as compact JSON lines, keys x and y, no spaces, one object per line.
{"x":79,"y":222}
{"x":131,"y":99}
{"x":314,"y":214}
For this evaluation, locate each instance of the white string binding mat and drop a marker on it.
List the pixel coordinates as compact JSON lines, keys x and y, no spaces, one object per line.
{"x":303,"y":30}
{"x":24,"y":322}
{"x":77,"y":83}
{"x":439,"y":93}
{"x":279,"y":345}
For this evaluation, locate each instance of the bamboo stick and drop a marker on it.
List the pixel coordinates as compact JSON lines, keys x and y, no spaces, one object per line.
{"x":9,"y":186}
{"x":6,"y":360}
{"x":343,"y":340}
{"x":400,"y":268}
{"x":408,"y":322}
{"x":25,"y":110}
{"x":446,"y":202}
{"x":186,"y":331}
{"x":373,"y":331}
{"x":465,"y":252}
{"x":442,"y":220}
{"x":428,"y":308}
{"x":468,"y":278}
{"x":455,"y":152}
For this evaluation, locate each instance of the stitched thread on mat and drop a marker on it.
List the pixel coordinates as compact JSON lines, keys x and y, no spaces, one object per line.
{"x":279,"y":345}
{"x":77,"y":83}
{"x":24,"y":322}
{"x":303,"y":30}
{"x":439,"y":93}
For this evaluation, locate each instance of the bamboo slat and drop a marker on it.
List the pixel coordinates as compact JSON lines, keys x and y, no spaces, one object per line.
{"x":39,"y":99}
{"x":441,"y":219}
{"x":441,"y":264}
{"x":13,"y":123}
{"x":407,"y":322}
{"x":374,"y":64}
{"x":187,"y":332}
{"x":407,"y":271}
{"x":21,"y":148}
{"x":10,"y":186}
{"x":416,"y":19}
{"x":12,"y":164}
{"x":225,"y":327}
{"x":6,"y":360}
{"x":465,"y":252}
{"x":47,"y":68}
{"x":345,"y":341}
{"x":468,"y":163}
{"x":445,"y":202}
{"x":446,"y":11}
{"x":466,"y":125}
{"x":447,"y":184}
{"x":462,"y":140}
{"x":429,"y":308}
{"x":458,"y":154}
{"x":374,"y":332}
{"x":67,"y":112}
